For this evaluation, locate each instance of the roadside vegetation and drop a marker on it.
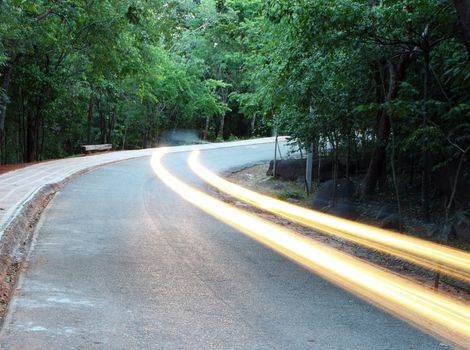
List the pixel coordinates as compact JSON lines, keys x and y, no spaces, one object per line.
{"x":381,"y":83}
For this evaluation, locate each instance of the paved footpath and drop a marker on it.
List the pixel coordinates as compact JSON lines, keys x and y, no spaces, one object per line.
{"x":19,"y":186}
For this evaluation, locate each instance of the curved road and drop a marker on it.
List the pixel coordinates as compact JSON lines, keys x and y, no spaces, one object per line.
{"x":121,"y":262}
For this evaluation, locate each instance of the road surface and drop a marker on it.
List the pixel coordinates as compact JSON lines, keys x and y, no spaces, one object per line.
{"x":121,"y":262}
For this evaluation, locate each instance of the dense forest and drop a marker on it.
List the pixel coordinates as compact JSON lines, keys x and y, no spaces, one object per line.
{"x":387,"y":79}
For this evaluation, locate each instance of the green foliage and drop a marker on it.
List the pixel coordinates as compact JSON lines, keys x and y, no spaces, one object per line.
{"x":109,"y":71}
{"x":288,"y":194}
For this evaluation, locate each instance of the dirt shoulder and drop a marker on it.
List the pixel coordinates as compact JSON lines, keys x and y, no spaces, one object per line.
{"x":255,"y":178}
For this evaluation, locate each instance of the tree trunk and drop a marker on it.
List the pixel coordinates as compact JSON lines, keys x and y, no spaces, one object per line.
{"x":89,"y":120}
{"x":378,"y":161}
{"x":426,"y":182}
{"x":111,"y":122}
{"x":205,"y":133}
{"x":102,"y":124}
{"x":394,"y":177}
{"x":224,"y":96}
{"x":275,"y":157}
{"x":22,"y":117}
{"x":145,"y":138}
{"x":30,"y":141}
{"x":253,"y":125}
{"x":463,"y":13}
{"x":348,"y":156}
{"x":221,"y":128}
{"x":124,"y":136}
{"x":412,"y":171}
{"x":33,"y":125}
{"x":376,"y":173}
{"x":3,"y":105}
{"x":3,"y":101}
{"x":388,"y":84}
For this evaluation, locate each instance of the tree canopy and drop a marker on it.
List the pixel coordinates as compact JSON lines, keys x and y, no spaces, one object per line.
{"x":349,"y":76}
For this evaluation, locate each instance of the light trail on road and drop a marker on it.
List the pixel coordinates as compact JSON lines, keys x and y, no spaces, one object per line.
{"x":431,"y":255}
{"x":435,"y":312}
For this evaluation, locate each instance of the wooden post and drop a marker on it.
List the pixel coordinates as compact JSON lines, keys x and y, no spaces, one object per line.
{"x":309,"y":169}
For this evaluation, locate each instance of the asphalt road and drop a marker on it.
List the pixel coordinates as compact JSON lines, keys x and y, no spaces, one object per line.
{"x":121,"y":262}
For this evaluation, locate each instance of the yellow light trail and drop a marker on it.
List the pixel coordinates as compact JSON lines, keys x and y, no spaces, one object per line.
{"x":437,"y":313}
{"x":431,"y":255}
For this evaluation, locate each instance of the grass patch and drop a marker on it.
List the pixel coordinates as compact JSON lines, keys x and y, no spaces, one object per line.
{"x":288,"y":194}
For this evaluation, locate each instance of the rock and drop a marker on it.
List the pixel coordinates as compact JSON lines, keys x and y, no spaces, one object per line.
{"x":448,"y":233}
{"x":432,"y":230}
{"x":443,"y":181}
{"x":288,"y":169}
{"x":294,"y":169}
{"x":391,"y":222}
{"x":345,"y":190}
{"x":323,"y":195}
{"x":344,"y":209}
{"x":462,"y":230}
{"x":343,"y":206}
{"x":384,"y":211}
{"x":444,"y":233}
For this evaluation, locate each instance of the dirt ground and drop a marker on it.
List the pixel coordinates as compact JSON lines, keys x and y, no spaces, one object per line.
{"x":255,"y":178}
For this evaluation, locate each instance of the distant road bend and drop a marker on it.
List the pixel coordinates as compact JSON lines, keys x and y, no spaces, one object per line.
{"x":121,"y":261}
